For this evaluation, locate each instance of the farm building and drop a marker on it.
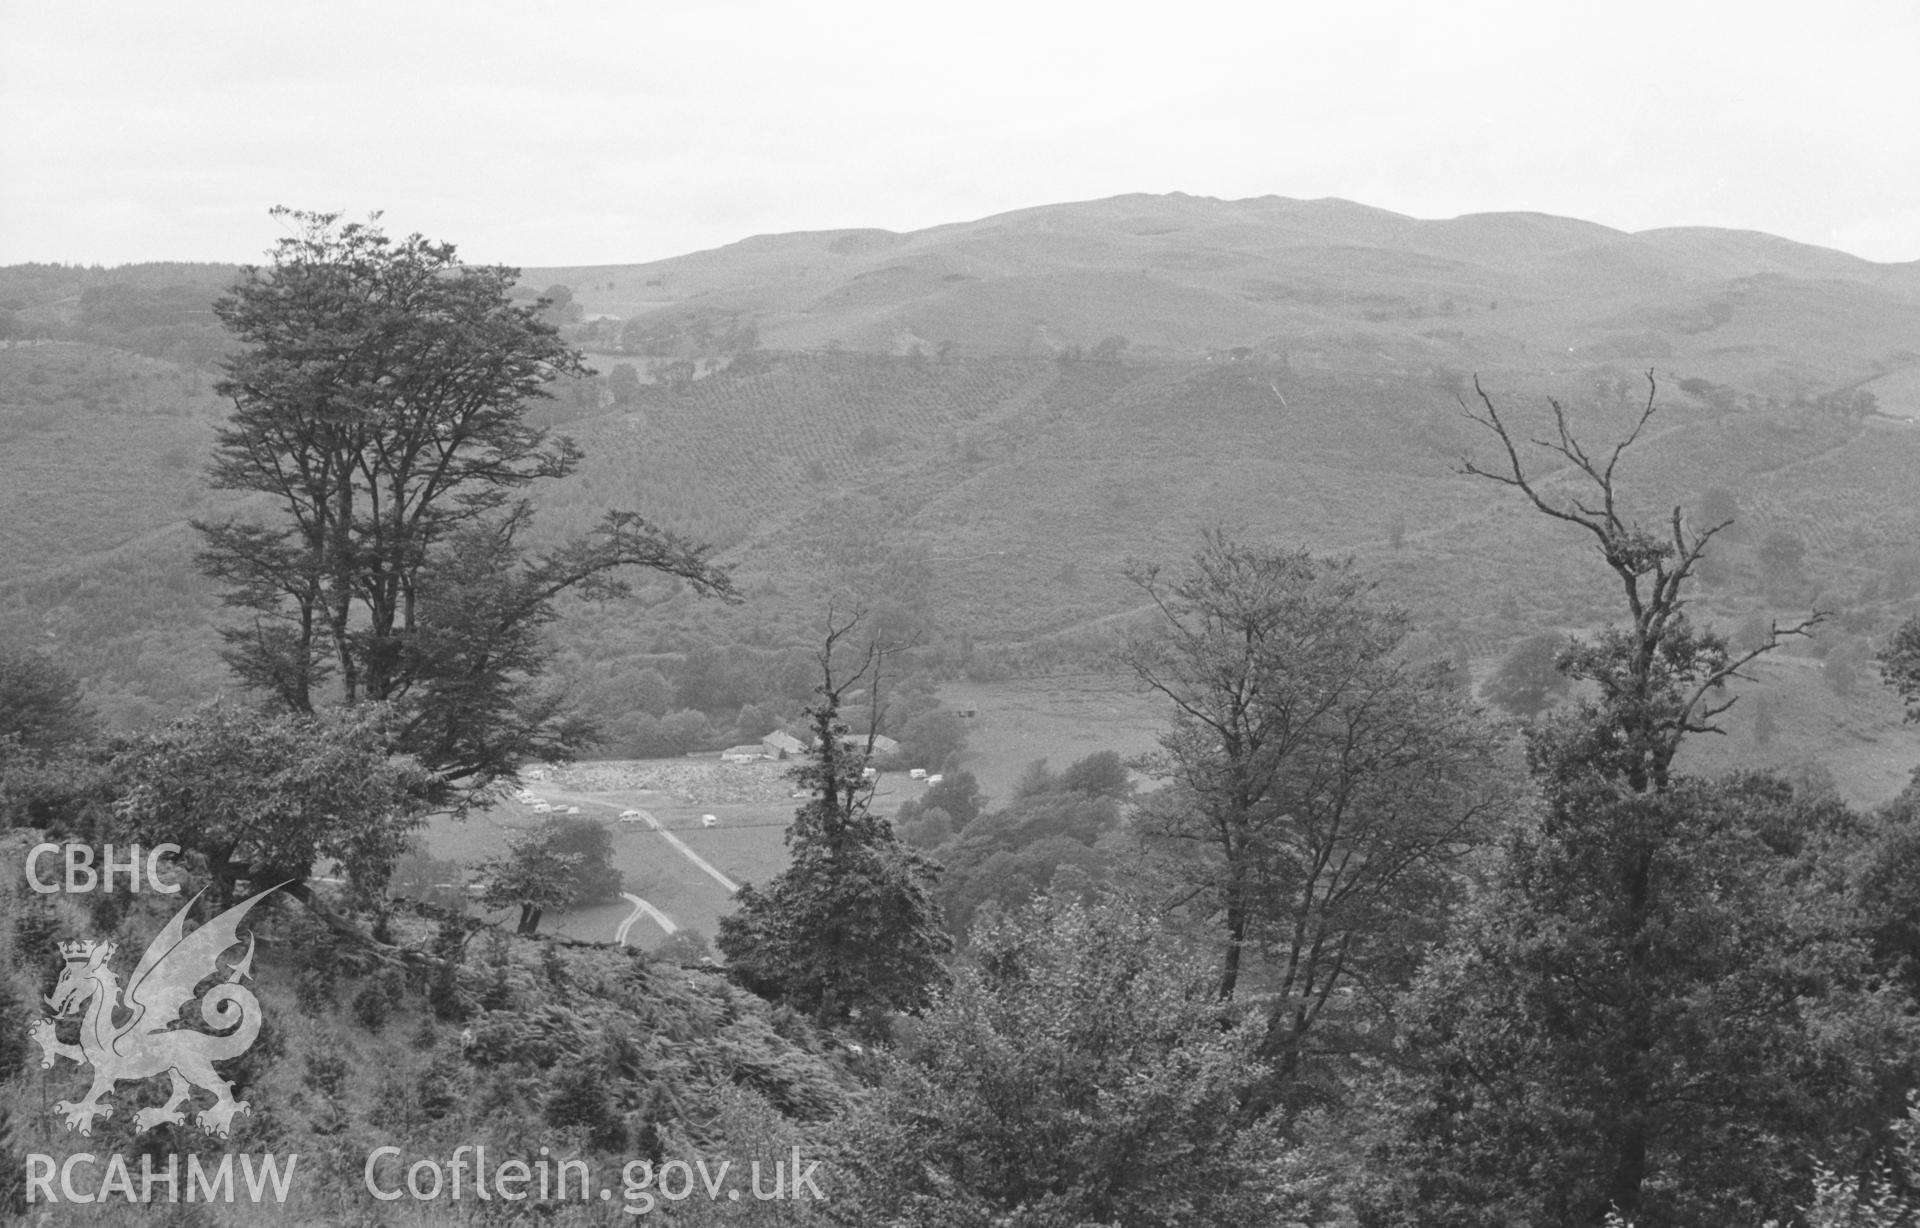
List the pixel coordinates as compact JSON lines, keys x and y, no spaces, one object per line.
{"x":750,"y":752}
{"x":882,"y":744}
{"x":781,"y":745}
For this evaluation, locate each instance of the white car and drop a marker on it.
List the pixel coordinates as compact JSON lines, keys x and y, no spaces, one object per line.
{"x":573,"y":810}
{"x":542,"y":808}
{"x":708,"y":820}
{"x":632,"y":816}
{"x":935,"y":779}
{"x":917,"y":774}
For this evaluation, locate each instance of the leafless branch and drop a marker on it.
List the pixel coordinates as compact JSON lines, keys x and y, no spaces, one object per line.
{"x":1652,"y":570}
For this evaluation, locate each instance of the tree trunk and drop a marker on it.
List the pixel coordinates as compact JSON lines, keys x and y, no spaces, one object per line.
{"x":303,"y":892}
{"x":224,"y":873}
{"x":1236,"y":942}
{"x":1629,"y":1170}
{"x":1628,"y":1140}
{"x":340,"y":598}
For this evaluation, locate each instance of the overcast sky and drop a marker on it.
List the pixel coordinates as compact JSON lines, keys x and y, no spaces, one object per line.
{"x":573,"y":133}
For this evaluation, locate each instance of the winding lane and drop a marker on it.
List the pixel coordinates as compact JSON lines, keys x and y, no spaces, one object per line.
{"x":642,"y":909}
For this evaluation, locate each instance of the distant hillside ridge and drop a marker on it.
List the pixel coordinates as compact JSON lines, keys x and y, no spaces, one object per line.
{"x":1184,"y":275}
{"x":1165,"y":276}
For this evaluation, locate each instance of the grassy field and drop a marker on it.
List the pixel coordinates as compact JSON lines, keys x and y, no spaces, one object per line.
{"x":1060,"y":720}
{"x":747,"y":844}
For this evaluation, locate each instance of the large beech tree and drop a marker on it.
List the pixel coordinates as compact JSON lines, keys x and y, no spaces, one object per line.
{"x":380,"y":404}
{"x":1323,"y":791}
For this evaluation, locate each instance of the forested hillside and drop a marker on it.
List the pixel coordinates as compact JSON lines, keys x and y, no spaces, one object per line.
{"x":1001,"y":495}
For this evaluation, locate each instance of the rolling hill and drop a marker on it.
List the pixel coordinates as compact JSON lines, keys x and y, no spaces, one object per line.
{"x":1181,"y":276}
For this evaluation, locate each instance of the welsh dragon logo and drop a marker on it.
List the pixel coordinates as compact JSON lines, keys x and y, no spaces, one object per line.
{"x":144,"y":1042}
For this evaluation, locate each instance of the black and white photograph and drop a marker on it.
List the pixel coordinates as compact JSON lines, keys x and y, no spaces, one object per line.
{"x":1052,"y":615}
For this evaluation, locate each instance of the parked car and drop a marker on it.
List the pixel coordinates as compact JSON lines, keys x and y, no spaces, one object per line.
{"x":708,"y":820}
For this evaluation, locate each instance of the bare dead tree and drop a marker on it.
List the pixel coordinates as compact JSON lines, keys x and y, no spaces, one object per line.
{"x":1660,"y":678}
{"x":847,"y":659}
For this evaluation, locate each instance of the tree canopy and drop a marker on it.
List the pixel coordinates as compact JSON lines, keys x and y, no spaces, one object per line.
{"x":1076,"y":1072}
{"x":1322,"y":789}
{"x":540,"y":869}
{"x":380,"y":403}
{"x":1900,"y":665}
{"x":262,"y":797}
{"x":1062,"y":829}
{"x":1661,"y":1004}
{"x":41,"y":707}
{"x":1529,"y":677}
